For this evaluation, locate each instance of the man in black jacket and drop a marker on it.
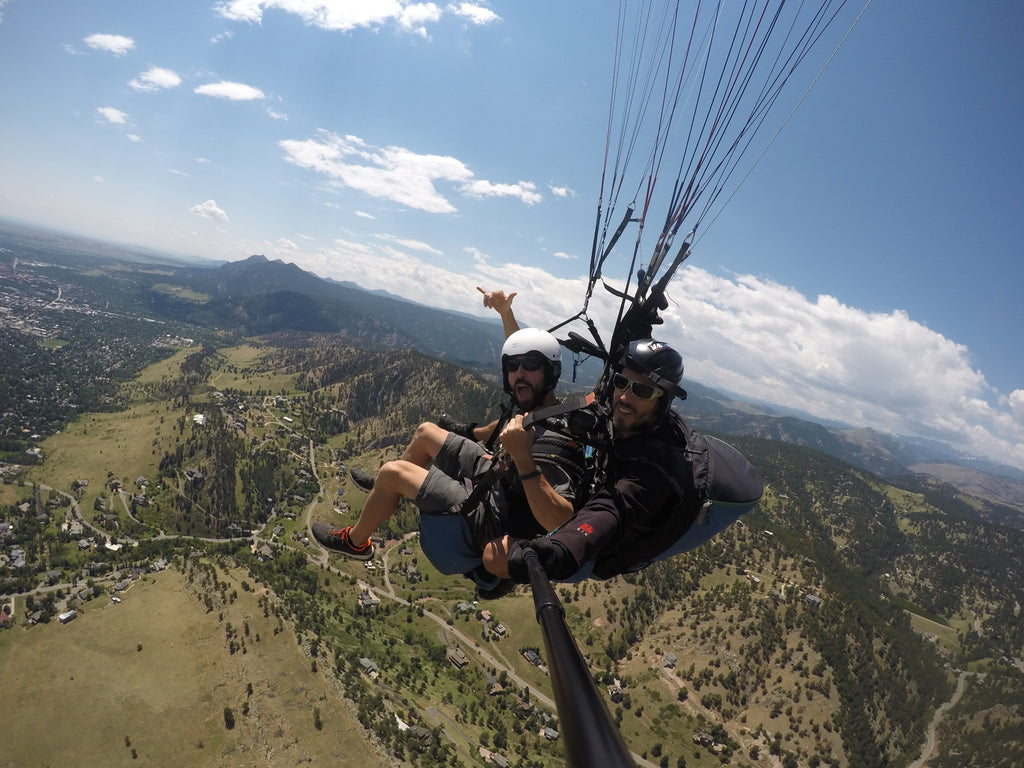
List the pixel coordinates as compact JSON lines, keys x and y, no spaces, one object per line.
{"x":647,"y":500}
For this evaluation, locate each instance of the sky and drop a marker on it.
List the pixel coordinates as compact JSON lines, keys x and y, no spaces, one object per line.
{"x":862,"y":265}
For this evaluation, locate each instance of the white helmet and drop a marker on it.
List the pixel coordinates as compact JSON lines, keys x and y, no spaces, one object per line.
{"x":539,"y":342}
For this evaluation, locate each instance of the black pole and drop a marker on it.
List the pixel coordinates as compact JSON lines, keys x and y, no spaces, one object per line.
{"x":591,"y":736}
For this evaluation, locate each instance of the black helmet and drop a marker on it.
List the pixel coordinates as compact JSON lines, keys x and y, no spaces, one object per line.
{"x":659,"y":362}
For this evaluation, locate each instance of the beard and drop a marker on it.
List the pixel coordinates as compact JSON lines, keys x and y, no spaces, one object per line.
{"x":528,"y":397}
{"x":627,"y":420}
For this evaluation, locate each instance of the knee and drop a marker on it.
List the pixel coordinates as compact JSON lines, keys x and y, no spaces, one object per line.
{"x":495,"y":556}
{"x":427,"y":431}
{"x":387,"y":475}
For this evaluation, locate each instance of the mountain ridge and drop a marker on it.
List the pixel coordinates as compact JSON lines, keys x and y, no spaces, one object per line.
{"x":259,"y":296}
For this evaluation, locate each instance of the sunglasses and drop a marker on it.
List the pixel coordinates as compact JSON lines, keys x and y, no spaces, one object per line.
{"x":527,"y":363}
{"x":638,"y":388}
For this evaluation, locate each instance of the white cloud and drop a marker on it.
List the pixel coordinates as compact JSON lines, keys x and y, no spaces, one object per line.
{"x":288,"y":245}
{"x":415,"y":16}
{"x":749,"y":336}
{"x":365,"y":215}
{"x":346,"y":15}
{"x":564,"y":255}
{"x":561,"y":191}
{"x":98,"y":179}
{"x":413,"y":245}
{"x":118,"y":45}
{"x":273,"y":113}
{"x":209,"y":210}
{"x":335,"y":15}
{"x":396,"y":173}
{"x":155,"y":79}
{"x":134,"y":138}
{"x":230,"y":91}
{"x":477,"y":14}
{"x":524,"y":190}
{"x":1016,"y":404}
{"x":390,"y":173}
{"x":112,"y":115}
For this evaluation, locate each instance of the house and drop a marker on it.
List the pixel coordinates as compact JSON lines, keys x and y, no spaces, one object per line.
{"x":457,"y":657}
{"x":368,"y":600}
{"x":533,"y":657}
{"x":422,"y":737}
{"x":702,"y":738}
{"x":67,"y":616}
{"x":369,"y":667}
{"x":669,"y":661}
{"x":549,"y":733}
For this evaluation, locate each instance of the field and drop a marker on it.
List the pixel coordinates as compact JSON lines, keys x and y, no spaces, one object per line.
{"x":154,"y":675}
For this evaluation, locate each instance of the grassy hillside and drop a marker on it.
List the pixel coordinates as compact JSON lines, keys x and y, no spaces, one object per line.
{"x":148,"y":681}
{"x":825,"y":629}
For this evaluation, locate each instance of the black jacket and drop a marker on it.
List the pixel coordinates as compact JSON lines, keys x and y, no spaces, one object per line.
{"x":646,"y":503}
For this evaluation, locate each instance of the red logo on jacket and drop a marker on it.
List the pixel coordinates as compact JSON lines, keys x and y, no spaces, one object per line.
{"x":586,"y":529}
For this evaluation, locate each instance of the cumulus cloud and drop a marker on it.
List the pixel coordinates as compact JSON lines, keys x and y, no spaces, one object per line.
{"x":209,"y":210}
{"x":416,"y":16}
{"x":112,"y":115}
{"x":561,"y":191}
{"x":118,"y":45}
{"x":1016,"y":403}
{"x":230,"y":91}
{"x":477,"y":14}
{"x":524,"y":190}
{"x":414,"y":245}
{"x":155,"y":79}
{"x":346,"y":15}
{"x":395,"y":173}
{"x":749,"y":336}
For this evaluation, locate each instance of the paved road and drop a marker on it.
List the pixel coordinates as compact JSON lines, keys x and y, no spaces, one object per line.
{"x":929,"y":744}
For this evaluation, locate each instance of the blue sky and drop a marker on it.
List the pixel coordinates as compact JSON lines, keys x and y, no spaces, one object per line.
{"x":867,"y":270}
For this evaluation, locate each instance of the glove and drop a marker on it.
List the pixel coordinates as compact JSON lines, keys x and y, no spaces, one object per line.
{"x":550,"y":553}
{"x":461,"y":428}
{"x":517,"y":568}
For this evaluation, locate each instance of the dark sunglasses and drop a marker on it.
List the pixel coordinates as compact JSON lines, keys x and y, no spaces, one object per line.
{"x":512,"y":364}
{"x":638,"y":388}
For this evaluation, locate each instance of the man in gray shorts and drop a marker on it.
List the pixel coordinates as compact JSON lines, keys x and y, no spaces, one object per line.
{"x":529,"y":490}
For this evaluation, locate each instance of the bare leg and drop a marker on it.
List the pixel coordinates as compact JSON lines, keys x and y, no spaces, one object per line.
{"x":394,"y":480}
{"x":426,"y":444}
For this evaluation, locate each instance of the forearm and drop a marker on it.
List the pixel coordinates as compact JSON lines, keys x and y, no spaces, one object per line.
{"x":550,"y":509}
{"x":509,"y":324}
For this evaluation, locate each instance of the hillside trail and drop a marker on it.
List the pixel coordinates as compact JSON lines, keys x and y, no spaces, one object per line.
{"x":929,"y":745}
